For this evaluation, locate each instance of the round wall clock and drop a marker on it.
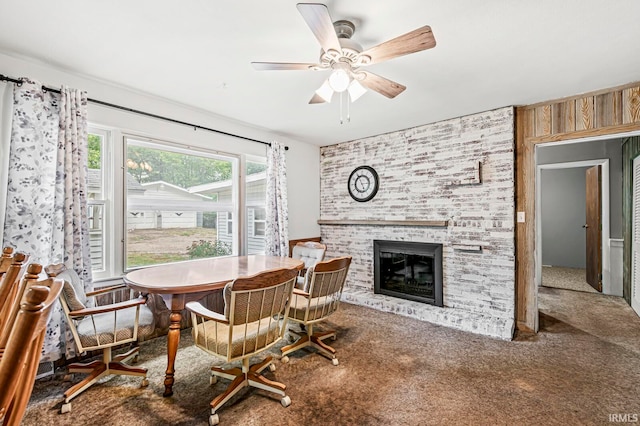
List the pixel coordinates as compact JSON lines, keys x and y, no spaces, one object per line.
{"x":363,"y":183}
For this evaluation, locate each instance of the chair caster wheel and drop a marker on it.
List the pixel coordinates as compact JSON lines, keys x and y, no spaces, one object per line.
{"x":272,"y":367}
{"x":334,"y":361}
{"x":144,"y":383}
{"x":285,"y":401}
{"x":284,"y":359}
{"x":66,"y":408}
{"x":214,"y":419}
{"x":213,"y":380}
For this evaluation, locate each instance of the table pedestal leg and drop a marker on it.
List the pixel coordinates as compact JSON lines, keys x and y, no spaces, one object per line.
{"x":173,"y":339}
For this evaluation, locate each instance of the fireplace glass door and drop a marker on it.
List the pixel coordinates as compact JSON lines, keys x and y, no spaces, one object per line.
{"x":409,"y":270}
{"x":407,"y":273}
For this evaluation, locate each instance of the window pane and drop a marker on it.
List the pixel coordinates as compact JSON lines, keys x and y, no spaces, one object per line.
{"x":175,"y":203}
{"x":255,"y":201}
{"x":95,"y":212}
{"x":96,"y":198}
{"x":94,"y":162}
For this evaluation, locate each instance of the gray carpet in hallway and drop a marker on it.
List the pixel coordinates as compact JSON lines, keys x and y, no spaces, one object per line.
{"x":583,"y":366}
{"x":566,"y":278}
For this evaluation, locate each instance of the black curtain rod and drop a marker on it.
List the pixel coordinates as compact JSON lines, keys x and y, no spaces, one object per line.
{"x":148,"y":114}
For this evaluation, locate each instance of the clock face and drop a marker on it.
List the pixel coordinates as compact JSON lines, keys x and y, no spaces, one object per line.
{"x":363,"y":183}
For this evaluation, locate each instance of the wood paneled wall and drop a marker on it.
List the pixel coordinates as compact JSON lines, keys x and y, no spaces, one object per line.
{"x":605,"y":112}
{"x":584,"y":115}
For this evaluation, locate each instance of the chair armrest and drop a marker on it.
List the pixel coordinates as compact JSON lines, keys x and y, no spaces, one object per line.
{"x":299,"y":292}
{"x":108,"y":308}
{"x":201,"y":311}
{"x":106,"y":290}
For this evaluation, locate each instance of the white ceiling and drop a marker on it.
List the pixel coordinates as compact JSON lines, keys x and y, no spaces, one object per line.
{"x":489,"y":54}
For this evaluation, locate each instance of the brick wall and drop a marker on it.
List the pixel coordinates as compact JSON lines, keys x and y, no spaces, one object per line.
{"x":426,"y":173}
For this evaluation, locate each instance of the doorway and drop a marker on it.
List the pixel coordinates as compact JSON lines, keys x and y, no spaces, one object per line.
{"x":572,"y":240}
{"x":598,"y":115}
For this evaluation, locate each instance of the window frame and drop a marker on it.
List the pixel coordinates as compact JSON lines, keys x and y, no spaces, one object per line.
{"x":114,"y":195}
{"x":106,"y":200}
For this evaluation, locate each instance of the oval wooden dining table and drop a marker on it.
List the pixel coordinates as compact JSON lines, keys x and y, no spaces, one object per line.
{"x":183,"y":282}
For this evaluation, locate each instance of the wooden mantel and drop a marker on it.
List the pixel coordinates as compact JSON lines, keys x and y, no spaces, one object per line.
{"x":432,"y":223}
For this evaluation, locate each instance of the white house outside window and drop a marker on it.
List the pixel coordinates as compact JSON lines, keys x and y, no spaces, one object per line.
{"x":173,"y":202}
{"x":255,"y":200}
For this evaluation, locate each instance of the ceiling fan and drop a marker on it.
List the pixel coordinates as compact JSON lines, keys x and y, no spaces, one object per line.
{"x":346,"y":58}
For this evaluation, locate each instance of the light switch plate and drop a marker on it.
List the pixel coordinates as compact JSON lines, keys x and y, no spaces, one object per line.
{"x":520,"y":217}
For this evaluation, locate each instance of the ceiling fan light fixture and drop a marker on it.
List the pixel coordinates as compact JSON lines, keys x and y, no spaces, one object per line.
{"x":339,"y":80}
{"x":325,"y":91}
{"x":356,"y":90}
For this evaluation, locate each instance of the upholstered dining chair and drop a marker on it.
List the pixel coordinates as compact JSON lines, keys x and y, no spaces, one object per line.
{"x":255,"y":317}
{"x":310,"y":252}
{"x":11,"y":289}
{"x":101,"y":327}
{"x":19,"y":359}
{"x":318,"y":299}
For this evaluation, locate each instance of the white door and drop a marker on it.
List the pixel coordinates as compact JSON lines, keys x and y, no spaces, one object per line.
{"x":635,"y":238}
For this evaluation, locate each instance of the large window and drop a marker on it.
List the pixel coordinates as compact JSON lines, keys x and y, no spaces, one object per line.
{"x":172,"y":203}
{"x":176,"y":201}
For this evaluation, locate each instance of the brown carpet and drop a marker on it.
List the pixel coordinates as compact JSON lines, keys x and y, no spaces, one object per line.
{"x":583,"y":366}
{"x":566,"y":278}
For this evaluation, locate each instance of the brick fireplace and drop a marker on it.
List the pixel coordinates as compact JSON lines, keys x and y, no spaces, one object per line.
{"x":449,"y":183}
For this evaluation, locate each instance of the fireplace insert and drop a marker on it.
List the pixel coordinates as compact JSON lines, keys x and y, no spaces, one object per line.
{"x":408,"y":270}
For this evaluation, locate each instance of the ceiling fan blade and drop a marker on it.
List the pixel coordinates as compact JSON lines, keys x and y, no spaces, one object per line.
{"x":318,"y":19}
{"x":268,"y":66}
{"x":385,"y":87}
{"x":411,"y":42}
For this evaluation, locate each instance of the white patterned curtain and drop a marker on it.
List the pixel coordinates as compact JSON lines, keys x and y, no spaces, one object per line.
{"x":6,"y":111}
{"x":277,"y":213}
{"x":46,"y":206}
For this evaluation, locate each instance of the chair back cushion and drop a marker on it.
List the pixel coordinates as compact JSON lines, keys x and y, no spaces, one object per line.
{"x":73,"y":290}
{"x":261,"y":296}
{"x":328,"y":277}
{"x":309,"y":252}
{"x":323,"y":283}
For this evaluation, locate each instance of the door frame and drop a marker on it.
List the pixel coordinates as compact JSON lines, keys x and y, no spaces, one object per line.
{"x":605,"y":213}
{"x":527,"y":317}
{"x":633,"y":286}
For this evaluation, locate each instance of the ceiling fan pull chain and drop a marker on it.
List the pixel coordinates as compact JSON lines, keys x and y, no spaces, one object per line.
{"x":341,"y":97}
{"x":348,"y":108}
